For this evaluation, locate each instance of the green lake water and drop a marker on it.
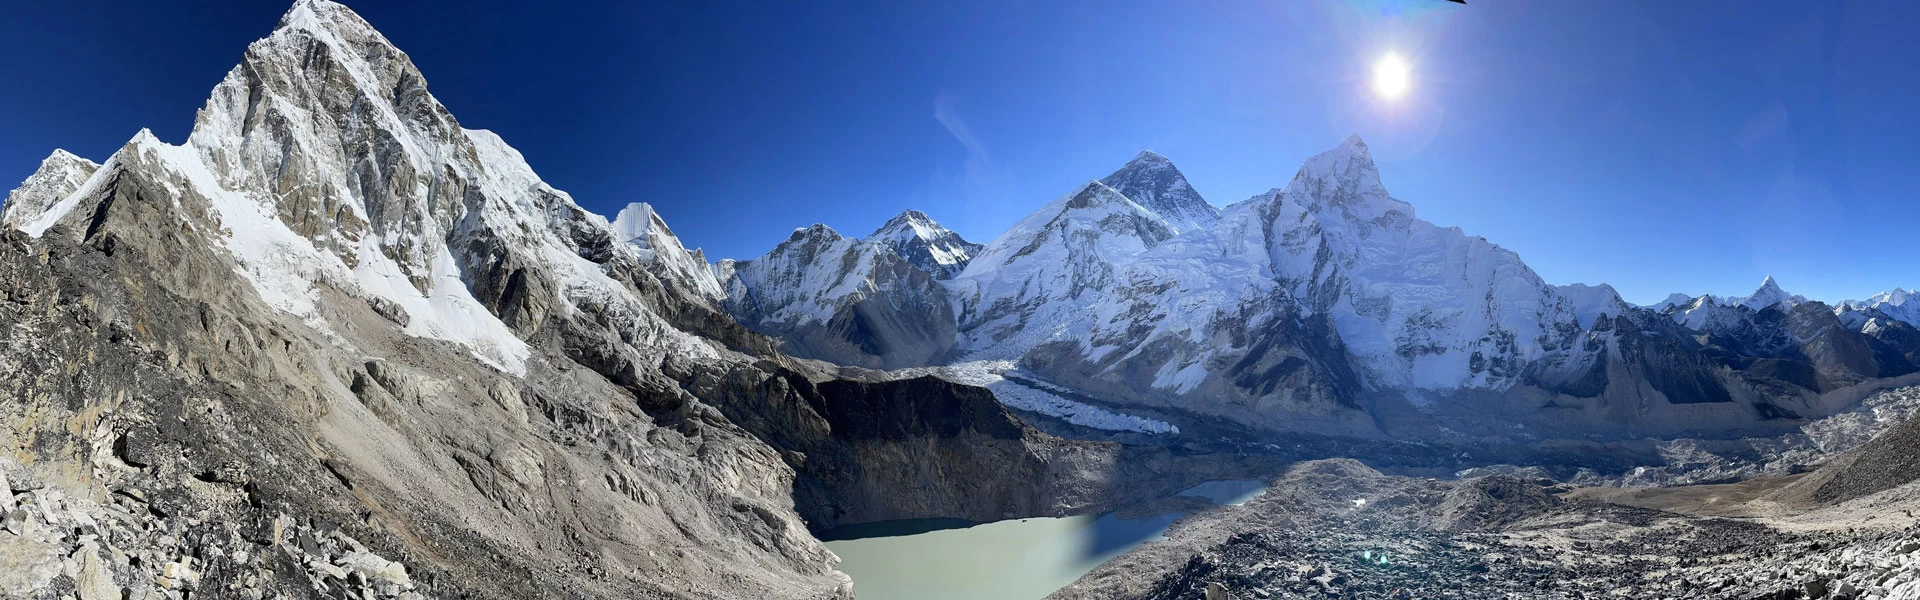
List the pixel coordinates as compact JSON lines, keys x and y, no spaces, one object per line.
{"x":1018,"y":559}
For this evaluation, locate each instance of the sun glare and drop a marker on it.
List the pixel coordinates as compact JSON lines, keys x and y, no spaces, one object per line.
{"x":1390,"y":77}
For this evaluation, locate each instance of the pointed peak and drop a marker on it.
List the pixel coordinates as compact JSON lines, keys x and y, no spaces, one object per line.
{"x":1149,"y":157}
{"x":143,"y":137}
{"x":909,"y":223}
{"x":907,"y":216}
{"x":1350,"y":181}
{"x":315,"y":15}
{"x":1152,"y":182}
{"x":1351,"y":153}
{"x":60,"y":155}
{"x":1768,"y":294}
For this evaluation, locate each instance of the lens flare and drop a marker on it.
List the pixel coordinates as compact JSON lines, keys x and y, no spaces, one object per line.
{"x":1391,"y":77}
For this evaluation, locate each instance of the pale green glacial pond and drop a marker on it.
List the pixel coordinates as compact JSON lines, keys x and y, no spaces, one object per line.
{"x":949,"y":559}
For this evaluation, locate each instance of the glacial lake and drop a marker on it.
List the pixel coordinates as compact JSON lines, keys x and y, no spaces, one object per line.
{"x":1016,"y":559}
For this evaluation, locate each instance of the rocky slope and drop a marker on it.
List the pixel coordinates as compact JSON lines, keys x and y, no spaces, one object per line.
{"x":1340,"y":529}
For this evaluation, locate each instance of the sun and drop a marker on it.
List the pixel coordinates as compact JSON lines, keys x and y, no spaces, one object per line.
{"x":1391,"y":77}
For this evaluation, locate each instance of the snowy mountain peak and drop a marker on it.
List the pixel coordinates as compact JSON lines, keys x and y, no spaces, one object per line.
{"x":1346,"y":178}
{"x":908,"y":217}
{"x":1152,"y":181}
{"x":322,"y":16}
{"x":924,"y":243}
{"x":1769,"y":294}
{"x":1895,"y":297}
{"x":58,"y":176}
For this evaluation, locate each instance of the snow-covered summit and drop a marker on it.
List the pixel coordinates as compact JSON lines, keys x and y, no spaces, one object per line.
{"x":1152,"y":181}
{"x":1769,"y":294}
{"x":925,"y":243}
{"x":59,"y":175}
{"x":1346,"y":179}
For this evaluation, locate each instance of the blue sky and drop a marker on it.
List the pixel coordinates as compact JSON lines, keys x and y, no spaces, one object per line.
{"x":1657,"y":146}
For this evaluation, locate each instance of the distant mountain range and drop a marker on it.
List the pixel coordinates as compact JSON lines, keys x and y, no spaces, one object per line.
{"x":1325,"y":304}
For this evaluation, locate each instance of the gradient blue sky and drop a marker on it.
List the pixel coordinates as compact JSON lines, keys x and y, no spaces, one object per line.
{"x":1657,"y":146}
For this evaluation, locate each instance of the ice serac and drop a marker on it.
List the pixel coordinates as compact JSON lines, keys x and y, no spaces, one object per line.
{"x":1032,"y":283}
{"x":641,"y":227}
{"x":926,"y":244}
{"x":1152,"y":181}
{"x":844,"y":300}
{"x":59,"y":176}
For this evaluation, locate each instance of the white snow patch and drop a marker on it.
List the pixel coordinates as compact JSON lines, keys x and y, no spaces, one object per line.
{"x":990,"y":375}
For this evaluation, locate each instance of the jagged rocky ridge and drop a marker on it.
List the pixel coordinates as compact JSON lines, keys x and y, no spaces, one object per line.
{"x":338,"y":344}
{"x":1327,"y":305}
